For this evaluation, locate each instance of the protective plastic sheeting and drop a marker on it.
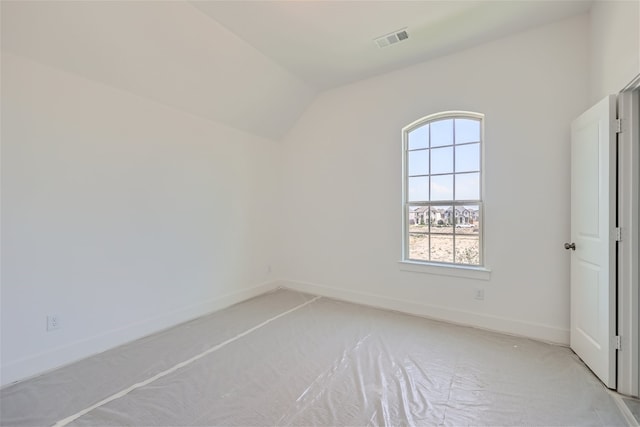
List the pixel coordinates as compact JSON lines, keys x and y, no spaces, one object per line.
{"x":327,"y":362}
{"x":46,"y":399}
{"x":634,"y":407}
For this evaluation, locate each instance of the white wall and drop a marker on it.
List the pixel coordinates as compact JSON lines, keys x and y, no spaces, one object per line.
{"x":167,"y":51}
{"x":120,"y":215}
{"x":614,"y":46}
{"x":124,"y":216}
{"x":342,"y":182}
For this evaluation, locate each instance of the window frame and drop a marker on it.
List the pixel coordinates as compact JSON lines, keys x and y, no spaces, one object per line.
{"x":440,"y":267}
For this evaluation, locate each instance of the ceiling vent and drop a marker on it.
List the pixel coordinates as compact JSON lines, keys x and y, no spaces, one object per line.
{"x":392,"y":38}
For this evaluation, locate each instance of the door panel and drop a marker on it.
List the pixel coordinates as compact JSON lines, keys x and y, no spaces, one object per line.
{"x":593,"y":168}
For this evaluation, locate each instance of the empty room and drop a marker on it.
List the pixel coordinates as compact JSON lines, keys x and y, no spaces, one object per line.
{"x":320,"y":213}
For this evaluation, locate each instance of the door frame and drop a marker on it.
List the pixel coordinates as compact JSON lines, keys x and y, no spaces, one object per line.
{"x":628,"y":290}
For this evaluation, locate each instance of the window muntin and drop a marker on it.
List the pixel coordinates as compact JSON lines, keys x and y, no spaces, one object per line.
{"x":443,"y":189}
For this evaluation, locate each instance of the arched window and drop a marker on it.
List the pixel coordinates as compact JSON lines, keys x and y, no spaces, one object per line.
{"x":442,"y":175}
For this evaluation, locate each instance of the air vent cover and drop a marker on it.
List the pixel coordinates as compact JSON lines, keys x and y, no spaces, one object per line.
{"x":392,"y":38}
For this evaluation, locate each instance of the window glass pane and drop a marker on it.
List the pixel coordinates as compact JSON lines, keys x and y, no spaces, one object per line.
{"x":468,"y":186}
{"x":419,"y":137}
{"x":466,"y":219}
{"x":438,"y":219}
{"x":418,"y":189}
{"x":467,"y":249}
{"x":418,"y":162}
{"x":418,"y":222}
{"x":442,"y":160}
{"x":419,"y":219}
{"x":419,"y":246}
{"x":442,"y":247}
{"x":441,"y":187}
{"x":468,"y":158}
{"x":442,"y":133}
{"x":471,"y":220}
{"x":468,"y":235}
{"x":467,"y":131}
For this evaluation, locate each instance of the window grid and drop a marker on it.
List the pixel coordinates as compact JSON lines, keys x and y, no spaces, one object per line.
{"x":456,"y":205}
{"x":429,"y":233}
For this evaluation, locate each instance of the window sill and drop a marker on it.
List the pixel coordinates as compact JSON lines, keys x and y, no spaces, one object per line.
{"x":478,"y":273}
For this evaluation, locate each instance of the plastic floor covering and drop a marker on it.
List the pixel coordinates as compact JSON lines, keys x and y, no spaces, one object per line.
{"x":634,"y":407}
{"x":286,"y":358}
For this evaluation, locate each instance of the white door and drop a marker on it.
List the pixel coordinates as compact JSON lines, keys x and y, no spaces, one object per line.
{"x":593,"y":198}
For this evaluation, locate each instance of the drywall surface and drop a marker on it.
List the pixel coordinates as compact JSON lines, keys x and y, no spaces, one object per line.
{"x":120,"y":215}
{"x":342,"y":183}
{"x":167,"y":51}
{"x":614,"y":46}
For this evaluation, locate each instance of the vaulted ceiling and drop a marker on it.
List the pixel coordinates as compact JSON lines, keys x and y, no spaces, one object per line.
{"x":253,"y":65}
{"x":330,"y":43}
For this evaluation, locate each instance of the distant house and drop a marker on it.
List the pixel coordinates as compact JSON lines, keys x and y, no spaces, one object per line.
{"x":425,"y":215}
{"x":462,"y":215}
{"x":419,"y":215}
{"x":436,"y":215}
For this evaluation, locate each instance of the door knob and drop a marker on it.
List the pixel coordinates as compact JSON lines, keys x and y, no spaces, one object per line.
{"x":571,"y":246}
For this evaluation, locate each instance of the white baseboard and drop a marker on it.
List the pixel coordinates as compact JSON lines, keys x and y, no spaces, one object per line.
{"x":535,"y":331}
{"x":38,"y":364}
{"x":55,"y":358}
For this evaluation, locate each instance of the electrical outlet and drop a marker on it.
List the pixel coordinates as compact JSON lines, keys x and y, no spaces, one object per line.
{"x":479,"y":294}
{"x":53,"y":322}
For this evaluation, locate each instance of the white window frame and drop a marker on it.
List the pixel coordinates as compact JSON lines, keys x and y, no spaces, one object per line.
{"x":435,"y":267}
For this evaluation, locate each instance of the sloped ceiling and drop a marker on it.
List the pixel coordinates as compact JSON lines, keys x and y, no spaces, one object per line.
{"x":330,"y":43}
{"x":169,"y":52}
{"x":253,"y":65}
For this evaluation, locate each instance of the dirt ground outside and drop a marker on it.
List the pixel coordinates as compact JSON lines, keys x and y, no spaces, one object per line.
{"x":441,"y":243}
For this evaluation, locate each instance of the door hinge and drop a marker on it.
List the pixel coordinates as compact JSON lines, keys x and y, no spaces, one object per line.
{"x":618,"y":234}
{"x":618,"y":125}
{"x":618,"y":342}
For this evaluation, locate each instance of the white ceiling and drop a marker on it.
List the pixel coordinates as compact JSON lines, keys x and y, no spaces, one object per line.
{"x":166,"y":51}
{"x":253,"y":65}
{"x":330,"y":43}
